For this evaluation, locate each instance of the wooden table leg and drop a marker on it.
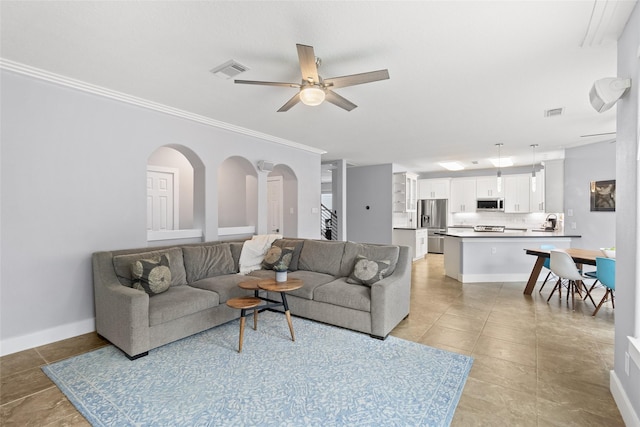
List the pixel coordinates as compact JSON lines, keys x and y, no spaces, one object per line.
{"x":255,"y":320}
{"x":241,"y":332}
{"x":285,"y":305}
{"x":533,"y":278}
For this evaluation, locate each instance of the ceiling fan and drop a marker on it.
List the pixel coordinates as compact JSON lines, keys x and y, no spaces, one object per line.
{"x":314,"y":89}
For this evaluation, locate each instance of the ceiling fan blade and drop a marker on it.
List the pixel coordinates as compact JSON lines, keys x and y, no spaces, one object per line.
{"x":307,"y":63}
{"x":356,"y":79}
{"x":290,"y":103}
{"x":338,"y":100}
{"x":254,"y":82}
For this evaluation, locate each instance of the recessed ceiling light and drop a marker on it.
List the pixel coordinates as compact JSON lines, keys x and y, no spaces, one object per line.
{"x":503,"y":162}
{"x":452,"y":166}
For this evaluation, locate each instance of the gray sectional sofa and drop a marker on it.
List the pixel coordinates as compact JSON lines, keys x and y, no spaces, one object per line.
{"x":204,"y":276}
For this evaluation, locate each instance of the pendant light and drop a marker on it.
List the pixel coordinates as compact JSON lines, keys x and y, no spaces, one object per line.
{"x":499,"y":174}
{"x":533,"y":170}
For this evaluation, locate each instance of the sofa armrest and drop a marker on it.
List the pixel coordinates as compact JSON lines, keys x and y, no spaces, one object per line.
{"x":122,"y":313}
{"x":391,"y":296}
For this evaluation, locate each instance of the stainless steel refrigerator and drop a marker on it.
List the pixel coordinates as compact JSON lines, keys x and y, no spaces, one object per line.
{"x":432,"y":215}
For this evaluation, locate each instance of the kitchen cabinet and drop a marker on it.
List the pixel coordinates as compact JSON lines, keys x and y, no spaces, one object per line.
{"x":405,"y":192}
{"x":463,"y":195}
{"x":415,"y":239}
{"x":433,"y":188}
{"x":516,"y":193}
{"x":537,"y":198}
{"x":421,"y":243}
{"x":487,"y":187}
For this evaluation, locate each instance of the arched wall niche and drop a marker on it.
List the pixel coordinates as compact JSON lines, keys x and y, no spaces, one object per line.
{"x":289,"y":199}
{"x":190,"y":191}
{"x":237,"y":193}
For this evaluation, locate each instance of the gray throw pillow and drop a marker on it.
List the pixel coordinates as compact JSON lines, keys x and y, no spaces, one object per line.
{"x":277,"y":257}
{"x":367,"y":272}
{"x":151,"y":275}
{"x":208,"y":261}
{"x":122,"y":265}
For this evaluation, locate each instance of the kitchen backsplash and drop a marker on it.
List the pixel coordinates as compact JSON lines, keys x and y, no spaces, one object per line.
{"x":509,"y":220}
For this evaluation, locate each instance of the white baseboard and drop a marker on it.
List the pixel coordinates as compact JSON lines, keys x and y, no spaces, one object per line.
{"x":37,"y":339}
{"x":478,"y":278}
{"x":631,"y":419}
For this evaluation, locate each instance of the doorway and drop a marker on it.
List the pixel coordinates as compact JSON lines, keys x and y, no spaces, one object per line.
{"x":274,"y":205}
{"x":162,"y":198}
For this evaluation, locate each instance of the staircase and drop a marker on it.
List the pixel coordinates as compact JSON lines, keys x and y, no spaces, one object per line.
{"x":328,"y":224}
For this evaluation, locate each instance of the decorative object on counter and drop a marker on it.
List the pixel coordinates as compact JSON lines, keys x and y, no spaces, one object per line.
{"x":550,"y":222}
{"x":489,"y":228}
{"x":609,"y":252}
{"x":533,"y":171}
{"x":603,"y":196}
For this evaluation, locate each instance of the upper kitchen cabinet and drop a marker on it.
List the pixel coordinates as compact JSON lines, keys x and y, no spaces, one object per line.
{"x":463,"y":195}
{"x":516,"y":193}
{"x":537,"y":197}
{"x":433,"y":188}
{"x":487,"y":187}
{"x":405,"y":192}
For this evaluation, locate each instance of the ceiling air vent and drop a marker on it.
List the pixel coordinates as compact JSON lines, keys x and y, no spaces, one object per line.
{"x":229,"y":69}
{"x":553,"y":112}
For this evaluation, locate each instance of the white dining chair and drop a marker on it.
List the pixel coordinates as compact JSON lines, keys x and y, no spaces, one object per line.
{"x":564,"y":267}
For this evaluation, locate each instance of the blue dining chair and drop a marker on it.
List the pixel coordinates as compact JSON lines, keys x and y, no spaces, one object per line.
{"x":547,"y":265}
{"x":606,"y":274}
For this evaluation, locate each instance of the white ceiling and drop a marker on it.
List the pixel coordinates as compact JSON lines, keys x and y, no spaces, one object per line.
{"x":464,"y":75}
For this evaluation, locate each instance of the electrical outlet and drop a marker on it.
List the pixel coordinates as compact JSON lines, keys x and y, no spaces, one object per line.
{"x":569,"y":212}
{"x":291,"y":211}
{"x":574,"y":225}
{"x":493,"y":251}
{"x":626,"y":363}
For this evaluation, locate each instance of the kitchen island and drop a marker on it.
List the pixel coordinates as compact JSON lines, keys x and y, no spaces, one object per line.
{"x":472,"y":256}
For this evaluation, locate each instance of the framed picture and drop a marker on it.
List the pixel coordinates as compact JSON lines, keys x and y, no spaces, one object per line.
{"x":603,"y":196}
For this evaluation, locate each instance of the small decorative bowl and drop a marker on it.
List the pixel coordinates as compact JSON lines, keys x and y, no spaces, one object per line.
{"x":609,"y":253}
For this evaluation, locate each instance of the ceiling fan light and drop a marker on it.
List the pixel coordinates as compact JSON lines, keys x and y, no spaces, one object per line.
{"x":312,"y":95}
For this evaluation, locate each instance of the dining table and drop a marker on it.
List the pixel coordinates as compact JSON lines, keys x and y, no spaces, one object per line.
{"x":580,"y":257}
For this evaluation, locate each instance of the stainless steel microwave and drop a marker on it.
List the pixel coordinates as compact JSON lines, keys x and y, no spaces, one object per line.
{"x":490,"y":205}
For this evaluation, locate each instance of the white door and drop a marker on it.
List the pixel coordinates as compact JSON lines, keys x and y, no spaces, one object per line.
{"x":274,"y":203}
{"x":162,"y":198}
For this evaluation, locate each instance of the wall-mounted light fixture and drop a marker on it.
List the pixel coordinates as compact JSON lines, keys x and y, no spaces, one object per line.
{"x":605,"y":92}
{"x":533,"y":170}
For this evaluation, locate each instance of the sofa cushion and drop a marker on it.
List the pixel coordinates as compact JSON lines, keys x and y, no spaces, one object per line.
{"x":373,"y":252}
{"x":343,"y":294}
{"x":311,"y":280}
{"x":151,"y":275}
{"x":201,"y":262}
{"x":262,"y":274}
{"x":226,"y":287}
{"x":179,"y":301}
{"x":236,"y":249}
{"x":296,"y":244}
{"x":367,"y":271}
{"x":122,"y":265}
{"x":277,"y":258}
{"x":322,"y":257}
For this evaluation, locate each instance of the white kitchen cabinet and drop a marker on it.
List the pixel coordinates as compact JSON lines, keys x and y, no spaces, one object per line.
{"x":537,"y":198}
{"x":463,"y":195}
{"x":487,"y":187}
{"x":516,"y":193}
{"x":433,"y":188}
{"x":421,"y":243}
{"x":405,"y":192}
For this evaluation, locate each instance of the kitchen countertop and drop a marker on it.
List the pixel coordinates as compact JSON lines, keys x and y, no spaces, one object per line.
{"x":508,"y":233}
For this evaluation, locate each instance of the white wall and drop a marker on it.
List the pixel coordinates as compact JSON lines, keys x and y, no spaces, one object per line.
{"x":73,"y":172}
{"x":593,"y":162}
{"x":370,"y":186}
{"x":626,"y":388}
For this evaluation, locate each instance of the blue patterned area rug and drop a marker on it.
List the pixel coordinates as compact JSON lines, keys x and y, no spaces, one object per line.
{"x":329,"y":376}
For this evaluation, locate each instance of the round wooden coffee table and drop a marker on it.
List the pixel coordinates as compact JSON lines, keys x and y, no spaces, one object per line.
{"x":282,"y":287}
{"x":244,"y":304}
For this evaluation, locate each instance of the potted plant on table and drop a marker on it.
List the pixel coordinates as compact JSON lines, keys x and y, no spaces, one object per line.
{"x":281,"y":271}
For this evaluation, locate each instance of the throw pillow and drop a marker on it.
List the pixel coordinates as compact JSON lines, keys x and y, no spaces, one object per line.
{"x":277,"y":258}
{"x":367,"y":272}
{"x":151,"y":275}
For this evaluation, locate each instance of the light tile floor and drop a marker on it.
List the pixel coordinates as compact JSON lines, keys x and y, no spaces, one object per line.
{"x":535,"y":364}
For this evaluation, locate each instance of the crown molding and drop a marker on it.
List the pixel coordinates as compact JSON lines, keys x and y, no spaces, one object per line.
{"x":58,"y":79}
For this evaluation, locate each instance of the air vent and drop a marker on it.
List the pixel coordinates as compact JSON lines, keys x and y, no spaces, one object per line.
{"x":553,"y":112}
{"x":229,"y":69}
